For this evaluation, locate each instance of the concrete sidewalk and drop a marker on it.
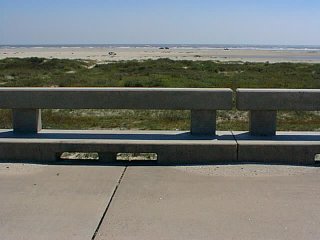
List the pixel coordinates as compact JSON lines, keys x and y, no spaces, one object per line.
{"x":54,"y":202}
{"x":228,"y":202}
{"x":157,"y":202}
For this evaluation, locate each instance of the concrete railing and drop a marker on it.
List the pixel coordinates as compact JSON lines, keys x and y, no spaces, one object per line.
{"x":202,"y":144}
{"x":263,"y":105}
{"x":28,"y":102}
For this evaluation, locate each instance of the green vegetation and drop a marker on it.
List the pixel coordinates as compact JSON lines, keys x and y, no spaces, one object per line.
{"x":38,"y":72}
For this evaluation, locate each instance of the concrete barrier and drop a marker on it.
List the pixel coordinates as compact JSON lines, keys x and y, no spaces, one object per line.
{"x":263,"y":105}
{"x":263,"y":143}
{"x":285,"y":148}
{"x":201,"y":145}
{"x":27,"y":102}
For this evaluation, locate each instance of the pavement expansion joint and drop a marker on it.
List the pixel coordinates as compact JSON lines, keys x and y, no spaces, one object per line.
{"x":237,"y":144}
{"x":109,"y":203}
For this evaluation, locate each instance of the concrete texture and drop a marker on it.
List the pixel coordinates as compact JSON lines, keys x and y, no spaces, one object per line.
{"x":209,"y":203}
{"x":278,"y":99}
{"x":262,"y":123}
{"x":172,"y":147}
{"x":54,"y":202}
{"x":285,"y":147}
{"x":203,"y":122}
{"x":117,"y":98}
{"x":26,"y":120}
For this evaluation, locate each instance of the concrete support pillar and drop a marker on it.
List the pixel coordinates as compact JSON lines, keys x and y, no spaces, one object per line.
{"x":203,"y":122}
{"x":107,"y":157}
{"x":262,"y":123}
{"x":26,"y":120}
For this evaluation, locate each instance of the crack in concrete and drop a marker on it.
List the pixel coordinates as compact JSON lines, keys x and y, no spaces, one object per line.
{"x":109,"y":203}
{"x":235,"y":139}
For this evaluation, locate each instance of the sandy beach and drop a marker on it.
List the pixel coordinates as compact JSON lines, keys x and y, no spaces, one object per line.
{"x":101,"y":54}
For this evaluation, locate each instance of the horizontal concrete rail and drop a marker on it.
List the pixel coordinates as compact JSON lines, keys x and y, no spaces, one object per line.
{"x":278,"y":99}
{"x":28,"y":102}
{"x":263,"y":105}
{"x":116,"y":98}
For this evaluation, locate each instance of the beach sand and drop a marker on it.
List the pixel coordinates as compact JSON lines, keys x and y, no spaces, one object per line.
{"x":101,"y":54}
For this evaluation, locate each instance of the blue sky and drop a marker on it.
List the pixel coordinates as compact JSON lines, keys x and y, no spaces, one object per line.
{"x":176,"y":21}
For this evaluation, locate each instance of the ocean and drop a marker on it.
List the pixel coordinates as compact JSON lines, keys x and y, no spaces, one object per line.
{"x":312,"y":48}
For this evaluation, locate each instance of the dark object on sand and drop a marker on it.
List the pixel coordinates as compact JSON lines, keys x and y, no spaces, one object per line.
{"x":112,"y":54}
{"x":226,"y":49}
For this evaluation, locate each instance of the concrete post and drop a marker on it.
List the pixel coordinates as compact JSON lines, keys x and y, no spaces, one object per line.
{"x":203,"y":122}
{"x":262,"y":123}
{"x":107,"y":157}
{"x":26,"y":120}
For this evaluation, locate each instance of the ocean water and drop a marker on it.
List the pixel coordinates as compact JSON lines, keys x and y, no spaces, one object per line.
{"x":308,"y":48}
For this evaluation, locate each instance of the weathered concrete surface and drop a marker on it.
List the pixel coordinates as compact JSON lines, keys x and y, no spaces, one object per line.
{"x":54,"y":202}
{"x":278,"y":99}
{"x":209,"y":203}
{"x":117,"y":98}
{"x":285,"y":147}
{"x":172,"y":147}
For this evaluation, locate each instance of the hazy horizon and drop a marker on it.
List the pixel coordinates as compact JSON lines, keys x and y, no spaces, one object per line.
{"x":73,"y":22}
{"x":163,"y":44}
